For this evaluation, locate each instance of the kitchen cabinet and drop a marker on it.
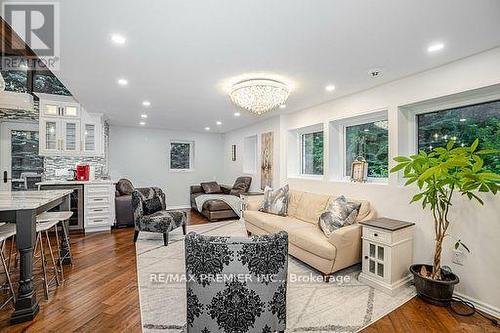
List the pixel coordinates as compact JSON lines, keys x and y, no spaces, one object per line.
{"x":66,"y":129}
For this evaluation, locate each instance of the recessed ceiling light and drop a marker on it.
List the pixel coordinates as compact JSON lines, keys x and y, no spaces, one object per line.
{"x":283,"y":106}
{"x":237,"y":114}
{"x":118,"y":39}
{"x":463,"y":119}
{"x":122,"y":82}
{"x":218,"y":123}
{"x":435,"y":47}
{"x":330,"y":87}
{"x":146,"y":103}
{"x":207,"y":128}
{"x":144,"y":116}
{"x":142,"y":123}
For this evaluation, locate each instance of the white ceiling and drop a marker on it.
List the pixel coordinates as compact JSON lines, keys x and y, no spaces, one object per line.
{"x":178,"y":52}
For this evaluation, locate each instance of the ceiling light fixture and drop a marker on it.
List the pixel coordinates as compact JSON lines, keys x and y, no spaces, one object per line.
{"x":283,"y":106}
{"x":146,"y":103}
{"x":330,"y":87}
{"x":435,"y":47}
{"x":259,"y":95}
{"x":237,"y":114}
{"x":218,"y":123}
{"x":122,"y":82}
{"x":207,"y":128}
{"x":118,"y":39}
{"x":144,"y":116}
{"x":142,"y":123}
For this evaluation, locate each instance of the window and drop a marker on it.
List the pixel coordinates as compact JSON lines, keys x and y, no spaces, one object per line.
{"x":312,"y":153}
{"x":15,"y":81}
{"x":370,"y":141}
{"x":181,"y":155}
{"x":464,"y":125}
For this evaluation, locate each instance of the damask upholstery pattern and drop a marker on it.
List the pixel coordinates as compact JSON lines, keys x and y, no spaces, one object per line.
{"x":236,"y":285}
{"x":161,"y":221}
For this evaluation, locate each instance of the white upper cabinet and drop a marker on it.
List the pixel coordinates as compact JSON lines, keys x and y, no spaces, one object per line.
{"x":66,"y":129}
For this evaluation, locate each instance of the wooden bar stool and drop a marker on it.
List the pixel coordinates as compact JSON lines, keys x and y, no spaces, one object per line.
{"x":7,"y":230}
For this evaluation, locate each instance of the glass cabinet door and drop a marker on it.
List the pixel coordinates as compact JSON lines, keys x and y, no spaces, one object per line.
{"x":50,"y":135}
{"x":71,"y":111}
{"x":71,"y":136}
{"x":376,"y":260}
{"x":51,"y":110}
{"x":89,"y":137}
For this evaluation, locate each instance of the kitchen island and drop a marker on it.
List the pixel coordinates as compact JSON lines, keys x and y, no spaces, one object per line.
{"x":22,"y":208}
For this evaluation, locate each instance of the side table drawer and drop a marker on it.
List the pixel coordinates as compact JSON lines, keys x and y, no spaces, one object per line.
{"x":377,"y":235}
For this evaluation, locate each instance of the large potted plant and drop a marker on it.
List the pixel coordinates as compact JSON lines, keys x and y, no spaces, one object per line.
{"x":439,"y":175}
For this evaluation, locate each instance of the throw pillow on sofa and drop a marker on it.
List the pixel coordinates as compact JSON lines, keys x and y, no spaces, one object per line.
{"x":338,"y":214}
{"x":211,"y":188}
{"x":275,"y":202}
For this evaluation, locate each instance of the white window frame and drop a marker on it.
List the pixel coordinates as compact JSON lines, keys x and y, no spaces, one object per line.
{"x":191,"y":155}
{"x":338,"y":149}
{"x":295,"y":152}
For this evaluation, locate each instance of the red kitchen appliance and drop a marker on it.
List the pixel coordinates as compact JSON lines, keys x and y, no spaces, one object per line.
{"x":82,"y":172}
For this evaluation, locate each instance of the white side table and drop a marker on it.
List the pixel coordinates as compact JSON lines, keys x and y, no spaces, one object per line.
{"x":387,"y":254}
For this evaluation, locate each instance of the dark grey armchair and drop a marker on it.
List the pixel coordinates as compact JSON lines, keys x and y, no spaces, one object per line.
{"x":150,"y":214}
{"x":123,"y":203}
{"x":236,"y":284}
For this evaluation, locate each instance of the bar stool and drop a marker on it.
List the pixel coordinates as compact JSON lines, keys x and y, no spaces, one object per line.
{"x":7,"y":230}
{"x":45,"y":222}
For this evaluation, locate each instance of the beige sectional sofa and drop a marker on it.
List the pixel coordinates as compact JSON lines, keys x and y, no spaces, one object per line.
{"x":307,"y":242}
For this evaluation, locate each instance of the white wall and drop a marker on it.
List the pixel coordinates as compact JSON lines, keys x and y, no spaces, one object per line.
{"x":142,"y":155}
{"x":234,"y":169}
{"x":478,"y":226}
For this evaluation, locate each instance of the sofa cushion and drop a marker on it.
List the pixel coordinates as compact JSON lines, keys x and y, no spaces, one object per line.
{"x":272,"y":223}
{"x":215,"y":205}
{"x":151,"y":206}
{"x":311,"y":238}
{"x":310,"y":207}
{"x":125,"y":187}
{"x":293,"y":202}
{"x":211,"y":187}
{"x":241,"y":185}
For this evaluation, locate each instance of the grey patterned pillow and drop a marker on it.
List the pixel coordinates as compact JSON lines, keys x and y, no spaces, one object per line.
{"x":338,"y":214}
{"x":275,"y":202}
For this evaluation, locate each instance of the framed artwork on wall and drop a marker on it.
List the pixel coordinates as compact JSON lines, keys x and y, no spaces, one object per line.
{"x":266,"y":177}
{"x":233,"y":153}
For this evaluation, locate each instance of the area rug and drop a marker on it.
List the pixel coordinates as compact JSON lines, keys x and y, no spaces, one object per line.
{"x":342,"y":305}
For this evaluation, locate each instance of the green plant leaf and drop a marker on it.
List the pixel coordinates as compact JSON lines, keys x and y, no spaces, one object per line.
{"x":450,"y":144}
{"x":428,"y":173}
{"x":487,"y":151}
{"x":411,"y":180}
{"x":474,"y":145}
{"x":399,"y":167}
{"x":417,"y":197}
{"x":402,"y":159}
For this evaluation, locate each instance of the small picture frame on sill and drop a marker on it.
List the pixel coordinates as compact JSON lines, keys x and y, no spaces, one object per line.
{"x":233,"y":153}
{"x":359,"y":170}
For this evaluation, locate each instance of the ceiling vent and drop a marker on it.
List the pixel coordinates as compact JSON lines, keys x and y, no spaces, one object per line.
{"x":375,"y":73}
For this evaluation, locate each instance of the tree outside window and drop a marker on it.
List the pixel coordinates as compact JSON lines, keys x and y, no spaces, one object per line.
{"x":464,"y":125}
{"x":369,"y":141}
{"x":312,"y":153}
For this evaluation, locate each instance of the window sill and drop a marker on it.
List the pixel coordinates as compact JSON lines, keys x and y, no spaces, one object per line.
{"x":181,"y":170}
{"x":377,"y":181}
{"x":308,"y":177}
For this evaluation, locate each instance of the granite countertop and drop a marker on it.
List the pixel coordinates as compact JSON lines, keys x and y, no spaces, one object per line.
{"x":16,"y":200}
{"x":76,"y":182}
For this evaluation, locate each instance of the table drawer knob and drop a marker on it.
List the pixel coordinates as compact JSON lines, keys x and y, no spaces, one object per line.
{"x":376,"y":235}
{"x":366,"y":257}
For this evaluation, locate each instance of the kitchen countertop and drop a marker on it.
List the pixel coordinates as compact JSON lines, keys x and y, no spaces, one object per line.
{"x":17,"y":200}
{"x":77,"y":182}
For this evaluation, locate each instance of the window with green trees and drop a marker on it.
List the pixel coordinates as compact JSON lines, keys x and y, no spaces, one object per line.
{"x":464,"y":125}
{"x":312,"y":153}
{"x":369,"y":141}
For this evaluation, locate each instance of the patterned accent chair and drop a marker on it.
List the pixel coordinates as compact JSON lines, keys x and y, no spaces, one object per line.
{"x":236,"y":284}
{"x":150,"y":214}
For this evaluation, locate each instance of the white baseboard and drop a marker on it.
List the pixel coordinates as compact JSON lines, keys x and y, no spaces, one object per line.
{"x":178,"y":207}
{"x":481,"y":306}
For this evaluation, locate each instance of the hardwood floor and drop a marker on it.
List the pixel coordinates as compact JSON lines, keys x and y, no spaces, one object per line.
{"x":100,"y":295}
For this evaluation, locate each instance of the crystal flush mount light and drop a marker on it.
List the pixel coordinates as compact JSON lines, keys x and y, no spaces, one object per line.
{"x":259,"y":95}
